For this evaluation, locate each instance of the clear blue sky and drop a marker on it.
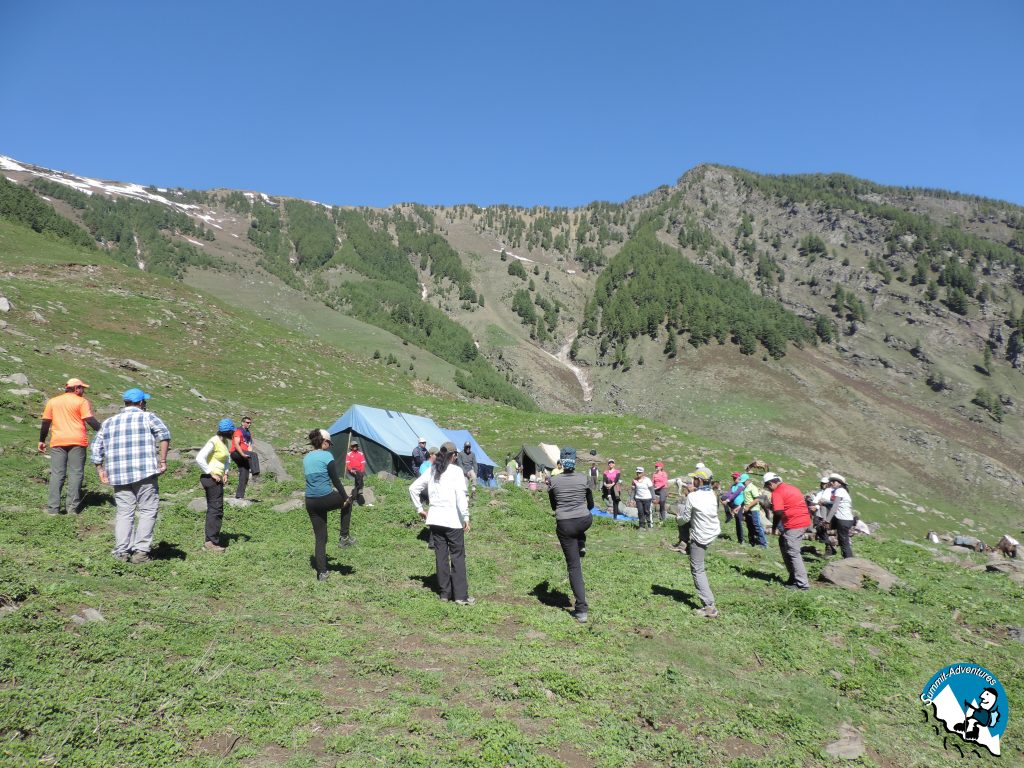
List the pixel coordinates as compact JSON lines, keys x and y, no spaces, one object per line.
{"x":555,"y":103}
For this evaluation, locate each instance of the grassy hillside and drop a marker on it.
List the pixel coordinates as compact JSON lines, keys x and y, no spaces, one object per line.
{"x":244,"y":659}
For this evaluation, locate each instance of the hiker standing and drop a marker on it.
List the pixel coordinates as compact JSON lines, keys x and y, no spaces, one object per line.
{"x":243,"y":456}
{"x":125,"y":457}
{"x":355,"y":465}
{"x":593,"y":477}
{"x":213,"y":459}
{"x":643,"y":494}
{"x":733,"y":500}
{"x":324,"y":492}
{"x":751,"y":508}
{"x":841,"y":511}
{"x":448,"y":519}
{"x":420,"y":453}
{"x":819,"y":504}
{"x":610,"y":487}
{"x":660,"y":480}
{"x":700,"y":513}
{"x":788,"y":501}
{"x":571,"y":501}
{"x":467,"y":462}
{"x":67,"y":415}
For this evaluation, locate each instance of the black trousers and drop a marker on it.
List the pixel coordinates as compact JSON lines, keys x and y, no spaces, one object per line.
{"x":214,"y":507}
{"x":317,"y":507}
{"x":843,"y":528}
{"x":357,"y":489}
{"x":450,"y":556}
{"x":738,"y":517}
{"x":242,"y":462}
{"x":572,"y":536}
{"x":643,"y":512}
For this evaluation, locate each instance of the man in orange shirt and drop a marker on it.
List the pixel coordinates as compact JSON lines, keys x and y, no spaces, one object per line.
{"x":67,"y":415}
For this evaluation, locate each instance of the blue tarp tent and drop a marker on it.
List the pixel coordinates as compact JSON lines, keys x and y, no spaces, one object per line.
{"x":484,"y":462}
{"x":385,"y":437}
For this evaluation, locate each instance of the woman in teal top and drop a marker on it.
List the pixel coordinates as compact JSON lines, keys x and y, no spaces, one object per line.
{"x":324,"y":492}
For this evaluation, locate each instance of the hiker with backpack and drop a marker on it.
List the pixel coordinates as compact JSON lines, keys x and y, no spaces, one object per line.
{"x":243,"y":455}
{"x":447,"y":517}
{"x":214,"y":459}
{"x":571,"y":501}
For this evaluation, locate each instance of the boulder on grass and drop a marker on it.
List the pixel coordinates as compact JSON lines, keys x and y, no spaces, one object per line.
{"x":270,"y":462}
{"x":850,"y":573}
{"x":385,"y":475}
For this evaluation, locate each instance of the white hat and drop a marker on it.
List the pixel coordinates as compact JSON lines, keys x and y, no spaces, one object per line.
{"x":838,"y":477}
{"x":326,"y":435}
{"x":770,"y":476}
{"x":422,"y":440}
{"x":824,"y":479}
{"x":639,"y":469}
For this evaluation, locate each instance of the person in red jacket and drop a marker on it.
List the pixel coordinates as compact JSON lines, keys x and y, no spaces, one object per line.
{"x":243,"y":457}
{"x":355,"y":465}
{"x":788,"y":501}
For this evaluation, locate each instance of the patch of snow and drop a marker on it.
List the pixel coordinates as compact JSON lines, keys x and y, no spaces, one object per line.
{"x":233,"y":234}
{"x":423,"y":291}
{"x":570,"y":271}
{"x":161,"y":189}
{"x":9,"y":165}
{"x":509,"y":253}
{"x":142,"y":264}
{"x":581,"y":375}
{"x":196,"y":242}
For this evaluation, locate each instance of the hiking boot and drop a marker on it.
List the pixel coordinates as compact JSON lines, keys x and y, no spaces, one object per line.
{"x":707,"y":612}
{"x":580,"y":616}
{"x":211,"y":547}
{"x":467,"y":601}
{"x":796,"y":586}
{"x":139,"y":557}
{"x":346,"y":541}
{"x":124,"y":557}
{"x":323,"y":576}
{"x":583,"y":551}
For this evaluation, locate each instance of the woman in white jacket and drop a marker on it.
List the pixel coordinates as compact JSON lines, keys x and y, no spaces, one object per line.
{"x":448,"y":520}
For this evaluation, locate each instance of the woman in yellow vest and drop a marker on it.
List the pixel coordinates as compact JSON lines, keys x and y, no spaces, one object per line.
{"x":214,"y":458}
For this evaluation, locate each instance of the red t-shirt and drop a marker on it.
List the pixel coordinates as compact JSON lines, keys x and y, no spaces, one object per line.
{"x":660,"y":479}
{"x":355,"y":461}
{"x":789,"y":501}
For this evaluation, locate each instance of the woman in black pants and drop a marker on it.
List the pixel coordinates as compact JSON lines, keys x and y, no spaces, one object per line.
{"x":571,"y":502}
{"x":324,"y":492}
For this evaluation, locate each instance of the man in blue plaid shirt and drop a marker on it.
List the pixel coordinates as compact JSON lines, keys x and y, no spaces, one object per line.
{"x":125,"y":455}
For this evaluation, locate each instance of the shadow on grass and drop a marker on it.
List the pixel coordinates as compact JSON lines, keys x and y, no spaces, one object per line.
{"x":333,"y":567}
{"x":430,"y":582}
{"x":676,"y":594}
{"x":553,"y":598}
{"x":167,"y":550}
{"x":96,"y":499}
{"x":226,"y":539}
{"x":753,"y":573}
{"x":812,"y":552}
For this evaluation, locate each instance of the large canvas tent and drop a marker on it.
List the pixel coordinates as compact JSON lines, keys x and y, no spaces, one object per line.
{"x":484,"y":462}
{"x":385,"y":437}
{"x":533,"y":458}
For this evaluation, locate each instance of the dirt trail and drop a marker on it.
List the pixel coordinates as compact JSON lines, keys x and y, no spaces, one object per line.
{"x":579,"y":373}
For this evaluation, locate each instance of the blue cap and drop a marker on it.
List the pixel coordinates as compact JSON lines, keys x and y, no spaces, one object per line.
{"x":134,"y":395}
{"x":225,"y":425}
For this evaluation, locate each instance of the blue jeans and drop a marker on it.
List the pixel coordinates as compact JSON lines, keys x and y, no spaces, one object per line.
{"x":754,"y":528}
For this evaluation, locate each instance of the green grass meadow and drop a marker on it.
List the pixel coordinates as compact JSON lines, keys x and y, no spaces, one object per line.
{"x":244,"y":659}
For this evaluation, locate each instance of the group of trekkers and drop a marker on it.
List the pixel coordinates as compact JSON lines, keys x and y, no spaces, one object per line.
{"x":130,"y":449}
{"x":123,"y":453}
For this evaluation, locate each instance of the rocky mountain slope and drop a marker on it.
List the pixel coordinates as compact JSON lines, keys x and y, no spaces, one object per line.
{"x":907,"y":366}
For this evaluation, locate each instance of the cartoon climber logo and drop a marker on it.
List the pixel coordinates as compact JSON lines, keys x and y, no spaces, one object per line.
{"x":970,"y":702}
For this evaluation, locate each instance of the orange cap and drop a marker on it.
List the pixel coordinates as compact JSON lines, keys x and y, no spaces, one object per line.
{"x":75,"y":383}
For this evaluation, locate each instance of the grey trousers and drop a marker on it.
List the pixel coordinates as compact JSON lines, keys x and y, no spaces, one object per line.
{"x":66,"y":462}
{"x":697,"y":554}
{"x":789,"y":543}
{"x":144,"y":497}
